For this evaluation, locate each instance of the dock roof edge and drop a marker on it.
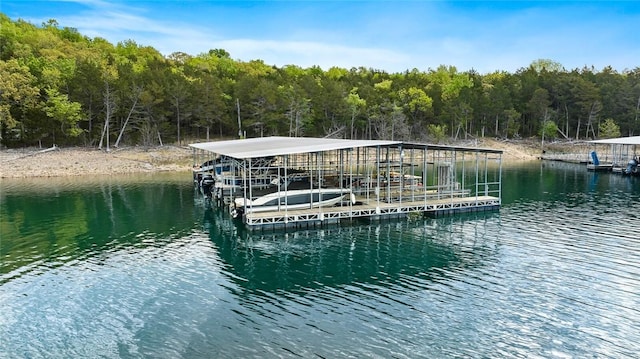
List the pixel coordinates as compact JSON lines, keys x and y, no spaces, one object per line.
{"x":277,"y":146}
{"x":632,"y":140}
{"x":280,"y":145}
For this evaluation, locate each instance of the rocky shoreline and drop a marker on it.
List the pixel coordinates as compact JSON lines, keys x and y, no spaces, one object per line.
{"x":57,"y":162}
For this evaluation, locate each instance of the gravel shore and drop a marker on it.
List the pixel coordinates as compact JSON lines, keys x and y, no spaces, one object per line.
{"x":56,"y":162}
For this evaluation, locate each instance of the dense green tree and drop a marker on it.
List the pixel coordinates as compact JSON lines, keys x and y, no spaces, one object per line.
{"x":437,"y":132}
{"x":548,"y":130}
{"x":546,"y":65}
{"x":64,"y":112}
{"x":497,"y":101}
{"x":455,"y":108}
{"x":418,"y":104}
{"x":329,"y":105}
{"x":609,"y":129}
{"x":356,"y":106}
{"x":538,"y":106}
{"x":18,"y":93}
{"x":58,"y":86}
{"x":586,"y":100}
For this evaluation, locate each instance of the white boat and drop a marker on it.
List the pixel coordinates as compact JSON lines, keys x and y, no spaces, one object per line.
{"x":222,"y":176}
{"x":260,"y":184}
{"x":292,"y":200}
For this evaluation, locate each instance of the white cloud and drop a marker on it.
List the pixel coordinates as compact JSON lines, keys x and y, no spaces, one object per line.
{"x":481,"y":39}
{"x":306,"y":54}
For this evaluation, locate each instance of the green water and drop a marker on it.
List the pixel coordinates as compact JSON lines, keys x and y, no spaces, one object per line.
{"x":137,"y":266}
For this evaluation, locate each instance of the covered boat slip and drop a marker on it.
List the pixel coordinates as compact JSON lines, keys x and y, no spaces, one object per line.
{"x":619,"y":155}
{"x":382,"y":178}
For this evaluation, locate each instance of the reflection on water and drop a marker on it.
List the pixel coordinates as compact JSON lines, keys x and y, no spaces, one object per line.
{"x":124,"y":268}
{"x":376,"y":252}
{"x":57,"y":220}
{"x":361,"y":289}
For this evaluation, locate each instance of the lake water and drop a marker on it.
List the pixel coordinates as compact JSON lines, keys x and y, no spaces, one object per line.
{"x":134,"y":266}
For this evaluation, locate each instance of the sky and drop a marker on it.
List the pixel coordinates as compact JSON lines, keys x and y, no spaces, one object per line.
{"x":393,"y":36}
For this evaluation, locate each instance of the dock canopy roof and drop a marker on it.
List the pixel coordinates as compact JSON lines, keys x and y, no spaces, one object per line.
{"x":633,"y":140}
{"x":277,"y":146}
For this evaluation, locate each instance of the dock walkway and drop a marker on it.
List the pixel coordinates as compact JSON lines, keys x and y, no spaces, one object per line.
{"x":370,"y":210}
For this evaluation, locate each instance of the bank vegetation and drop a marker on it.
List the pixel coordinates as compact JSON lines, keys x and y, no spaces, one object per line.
{"x":58,"y":86}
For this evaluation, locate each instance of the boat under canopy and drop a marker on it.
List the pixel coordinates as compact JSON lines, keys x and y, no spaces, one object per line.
{"x":338,"y":179}
{"x":621,"y":156}
{"x":293,"y":200}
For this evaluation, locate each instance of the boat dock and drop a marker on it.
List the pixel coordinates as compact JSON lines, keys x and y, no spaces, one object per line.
{"x":622,"y":156}
{"x":619,"y":155}
{"x":276,"y":182}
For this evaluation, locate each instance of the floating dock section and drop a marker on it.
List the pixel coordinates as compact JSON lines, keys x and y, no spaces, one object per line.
{"x":621,"y":156}
{"x":256,"y":179}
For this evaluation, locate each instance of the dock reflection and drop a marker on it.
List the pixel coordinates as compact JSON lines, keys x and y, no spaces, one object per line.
{"x":384,"y":253}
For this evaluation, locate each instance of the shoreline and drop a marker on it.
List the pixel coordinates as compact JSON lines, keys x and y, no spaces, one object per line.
{"x":81,"y":161}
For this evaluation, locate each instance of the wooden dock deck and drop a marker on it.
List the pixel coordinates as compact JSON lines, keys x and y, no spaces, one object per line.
{"x":370,"y":210}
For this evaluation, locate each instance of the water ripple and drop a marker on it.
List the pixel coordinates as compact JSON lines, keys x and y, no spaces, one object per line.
{"x":555,"y":273}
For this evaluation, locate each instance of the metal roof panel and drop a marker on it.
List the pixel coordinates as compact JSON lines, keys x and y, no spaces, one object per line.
{"x":633,"y":140}
{"x":275,"y":146}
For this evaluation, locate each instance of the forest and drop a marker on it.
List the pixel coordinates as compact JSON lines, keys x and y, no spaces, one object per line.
{"x":59,"y":87}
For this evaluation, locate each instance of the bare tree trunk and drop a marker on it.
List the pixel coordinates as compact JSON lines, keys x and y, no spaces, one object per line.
{"x":334,"y":132}
{"x":636,"y":119}
{"x":353,"y":119}
{"x":566,"y":114}
{"x":125,"y":123}
{"x":178,"y":110}
{"x":108,"y":134}
{"x":109,"y":108}
{"x":593,"y":113}
{"x":563,"y":134}
{"x":290,"y":115}
{"x":239,"y":123}
{"x":104,"y":130}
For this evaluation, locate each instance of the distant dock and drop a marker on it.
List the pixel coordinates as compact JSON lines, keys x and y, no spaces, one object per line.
{"x":616,"y":155}
{"x":579,"y":158}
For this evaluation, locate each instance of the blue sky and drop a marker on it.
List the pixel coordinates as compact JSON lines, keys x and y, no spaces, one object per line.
{"x":389,"y":35}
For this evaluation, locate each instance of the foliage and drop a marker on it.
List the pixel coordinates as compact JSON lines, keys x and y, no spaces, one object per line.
{"x":59,"y":86}
{"x":513,"y":126}
{"x":437,"y":132}
{"x":548,"y":130}
{"x":17,"y":93}
{"x":609,"y":129}
{"x":63,"y":111}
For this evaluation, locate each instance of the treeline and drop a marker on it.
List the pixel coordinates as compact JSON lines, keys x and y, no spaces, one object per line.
{"x":60,"y":87}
